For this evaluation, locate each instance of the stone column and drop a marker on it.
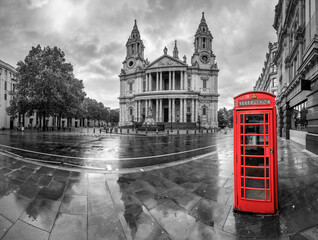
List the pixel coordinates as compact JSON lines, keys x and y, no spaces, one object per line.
{"x":146,"y":108}
{"x":139,"y":111}
{"x":181,"y":80}
{"x":170,"y":110}
{"x":185,"y":80}
{"x":185,"y":110}
{"x":197,"y":110}
{"x":160,"y":82}
{"x":157,"y":110}
{"x":181,"y":110}
{"x":192,"y":111}
{"x":146,"y":82}
{"x":160,"y":110}
{"x":173,"y":110}
{"x":170,"y":81}
{"x":173,"y":80}
{"x":157,"y":81}
{"x":150,"y":82}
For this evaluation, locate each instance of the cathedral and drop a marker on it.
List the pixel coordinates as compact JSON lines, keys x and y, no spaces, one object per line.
{"x":170,"y":90}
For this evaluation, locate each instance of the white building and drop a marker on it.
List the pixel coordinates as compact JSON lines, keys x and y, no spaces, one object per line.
{"x":168,"y":88}
{"x":7,"y":83}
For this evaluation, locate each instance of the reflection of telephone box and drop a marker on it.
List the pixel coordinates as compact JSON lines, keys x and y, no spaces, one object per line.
{"x":255,"y":153}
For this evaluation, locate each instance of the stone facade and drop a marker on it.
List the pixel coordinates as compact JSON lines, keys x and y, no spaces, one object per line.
{"x":296,"y":23}
{"x":267,"y":81}
{"x":168,"y":88}
{"x":7,"y":83}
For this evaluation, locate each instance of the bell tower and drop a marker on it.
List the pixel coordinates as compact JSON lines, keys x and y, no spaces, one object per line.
{"x":134,"y":50}
{"x":203,"y":56}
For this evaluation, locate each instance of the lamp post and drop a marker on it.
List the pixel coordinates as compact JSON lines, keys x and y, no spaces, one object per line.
{"x":171,"y":124}
{"x":199,"y":121}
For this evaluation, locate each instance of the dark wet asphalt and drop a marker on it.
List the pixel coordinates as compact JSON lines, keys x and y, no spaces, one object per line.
{"x":103,"y":150}
{"x":192,"y":200}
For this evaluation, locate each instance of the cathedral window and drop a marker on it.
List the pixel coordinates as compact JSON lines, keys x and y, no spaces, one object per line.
{"x":130,"y":85}
{"x":204,"y":83}
{"x":203,"y":42}
{"x":130,"y":111}
{"x":204,"y":111}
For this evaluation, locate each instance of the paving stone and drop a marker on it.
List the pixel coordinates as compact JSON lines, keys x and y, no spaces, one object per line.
{"x":76,"y":186}
{"x":5,"y":225}
{"x":22,"y":230}
{"x":41,"y":213}
{"x":12,"y":206}
{"x":69,"y":227}
{"x":74,"y":204}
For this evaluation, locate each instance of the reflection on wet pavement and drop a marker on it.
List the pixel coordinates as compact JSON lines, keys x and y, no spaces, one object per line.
{"x":193,"y":200}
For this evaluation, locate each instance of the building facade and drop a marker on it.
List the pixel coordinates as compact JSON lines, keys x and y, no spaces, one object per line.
{"x":296,"y":23}
{"x":168,"y":89}
{"x":7,"y":84}
{"x":267,"y":81}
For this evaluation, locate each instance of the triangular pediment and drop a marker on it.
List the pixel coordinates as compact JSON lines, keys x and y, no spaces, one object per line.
{"x":166,"y":61}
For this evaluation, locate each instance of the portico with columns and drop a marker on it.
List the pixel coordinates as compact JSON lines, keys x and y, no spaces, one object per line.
{"x":169,"y":88}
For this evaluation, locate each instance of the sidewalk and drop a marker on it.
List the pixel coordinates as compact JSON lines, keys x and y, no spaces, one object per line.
{"x":193,"y":200}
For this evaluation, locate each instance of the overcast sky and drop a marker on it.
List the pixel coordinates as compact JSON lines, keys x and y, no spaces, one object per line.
{"x":93,"y":34}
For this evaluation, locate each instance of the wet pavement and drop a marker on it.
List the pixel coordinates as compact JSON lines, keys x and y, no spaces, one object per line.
{"x":191,"y":197}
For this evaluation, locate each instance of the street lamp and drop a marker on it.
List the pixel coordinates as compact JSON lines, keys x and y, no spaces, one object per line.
{"x":171,"y":124}
{"x":199,"y":121}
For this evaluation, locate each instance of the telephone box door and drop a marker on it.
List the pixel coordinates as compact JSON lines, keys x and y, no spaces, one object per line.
{"x":254,"y":166}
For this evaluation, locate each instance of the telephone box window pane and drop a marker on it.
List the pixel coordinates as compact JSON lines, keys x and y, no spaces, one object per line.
{"x":254,"y":118}
{"x":254,"y":183}
{"x":242,"y":130}
{"x":242,"y":182}
{"x":267,"y":183}
{"x":242,"y":140}
{"x":242,"y":118}
{"x":267,"y":161}
{"x":254,"y":140}
{"x":268,"y":195}
{"x":242,"y":160}
{"x":254,"y":150}
{"x":266,"y":129}
{"x":242,"y":150}
{"x":254,"y":172}
{"x":266,"y":118}
{"x":266,"y":140}
{"x":267,"y":172}
{"x":242,"y":192}
{"x":242,"y":171}
{"x":254,"y":161}
{"x":254,"y":129}
{"x":255,"y":194}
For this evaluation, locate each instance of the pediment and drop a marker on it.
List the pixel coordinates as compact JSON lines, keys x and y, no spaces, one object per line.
{"x":166,"y":61}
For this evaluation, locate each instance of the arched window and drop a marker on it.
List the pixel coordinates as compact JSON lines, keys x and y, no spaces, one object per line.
{"x":204,"y":111}
{"x":203,"y":42}
{"x":130,"y":111}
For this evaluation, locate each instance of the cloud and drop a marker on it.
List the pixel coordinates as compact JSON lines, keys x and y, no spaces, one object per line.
{"x":93,"y":35}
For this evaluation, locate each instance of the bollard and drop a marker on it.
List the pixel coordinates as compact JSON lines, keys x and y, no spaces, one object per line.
{"x":120,"y":130}
{"x":168,"y":131}
{"x":69,"y":129}
{"x":195,"y":131}
{"x":127,"y":130}
{"x":177,"y":131}
{"x":136,"y":130}
{"x":187,"y":131}
{"x":111,"y":130}
{"x":94,"y":130}
{"x":146,"y":130}
{"x":157,"y":130}
{"x":100,"y":130}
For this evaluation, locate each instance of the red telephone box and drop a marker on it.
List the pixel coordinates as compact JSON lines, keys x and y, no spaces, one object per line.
{"x":255,"y":153}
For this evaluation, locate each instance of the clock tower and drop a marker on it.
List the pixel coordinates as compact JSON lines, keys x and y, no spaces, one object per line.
{"x":134,"y":51}
{"x":203,"y":56}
